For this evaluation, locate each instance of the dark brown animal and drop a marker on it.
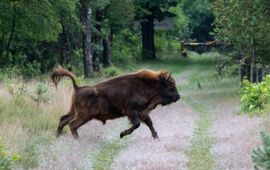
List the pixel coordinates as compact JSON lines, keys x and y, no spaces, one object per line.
{"x":133,"y":95}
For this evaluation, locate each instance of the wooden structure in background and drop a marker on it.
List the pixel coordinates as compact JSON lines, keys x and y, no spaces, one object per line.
{"x":199,"y":47}
{"x":249,"y":68}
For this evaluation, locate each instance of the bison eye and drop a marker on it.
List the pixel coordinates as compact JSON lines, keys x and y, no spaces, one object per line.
{"x":170,"y":87}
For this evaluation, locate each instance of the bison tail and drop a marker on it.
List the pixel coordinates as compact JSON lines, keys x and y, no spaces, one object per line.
{"x":59,"y":72}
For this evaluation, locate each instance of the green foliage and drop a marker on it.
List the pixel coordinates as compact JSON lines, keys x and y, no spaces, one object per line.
{"x":255,"y":97}
{"x":40,"y":91}
{"x":29,"y":31}
{"x":15,"y":89}
{"x":180,"y":23}
{"x":30,"y":24}
{"x":19,"y":89}
{"x":77,"y":57}
{"x":120,"y":14}
{"x":121,"y":56}
{"x":261,"y":156}
{"x":167,"y":44}
{"x":41,"y":88}
{"x":112,"y":71}
{"x":242,"y":21}
{"x":226,"y":65}
{"x":146,"y":13}
{"x":125,"y":48}
{"x":7,"y":161}
{"x":200,"y":18}
{"x":28,"y":70}
{"x":8,"y":73}
{"x":156,"y":8}
{"x":31,"y":69}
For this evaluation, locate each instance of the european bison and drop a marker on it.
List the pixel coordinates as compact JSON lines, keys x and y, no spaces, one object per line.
{"x":133,"y":95}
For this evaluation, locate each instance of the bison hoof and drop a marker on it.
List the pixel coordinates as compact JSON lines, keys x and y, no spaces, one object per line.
{"x":122,"y":134}
{"x":75,"y":135}
{"x":58,"y":134}
{"x":155,"y":136}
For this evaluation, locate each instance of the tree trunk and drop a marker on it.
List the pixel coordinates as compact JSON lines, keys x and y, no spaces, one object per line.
{"x":65,"y":45}
{"x":86,"y":35}
{"x":148,"y":45}
{"x":97,"y":40}
{"x":253,"y":67}
{"x":106,"y":52}
{"x":2,"y":44}
{"x":12,"y":32}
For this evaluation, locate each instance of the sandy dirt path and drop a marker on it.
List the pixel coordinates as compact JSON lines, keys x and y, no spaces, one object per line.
{"x":67,"y":153}
{"x":174,"y":125}
{"x":235,"y":137}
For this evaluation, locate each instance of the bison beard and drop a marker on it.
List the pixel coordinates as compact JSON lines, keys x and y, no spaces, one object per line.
{"x":133,"y":95}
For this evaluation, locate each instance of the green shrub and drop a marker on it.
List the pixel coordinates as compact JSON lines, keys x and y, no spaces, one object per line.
{"x":111,"y":71}
{"x":255,"y":97}
{"x":11,"y":88}
{"x":226,"y":65}
{"x":9,"y":73}
{"x":39,"y":96}
{"x":261,"y":156}
{"x":166,"y":44}
{"x":125,"y":47}
{"x":121,"y":56}
{"x":233,"y":69}
{"x":31,"y":69}
{"x":77,"y":61}
{"x":27,"y":70}
{"x":7,"y":161}
{"x":16,"y":89}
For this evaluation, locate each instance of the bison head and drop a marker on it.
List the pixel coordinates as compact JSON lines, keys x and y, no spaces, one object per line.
{"x":168,"y":91}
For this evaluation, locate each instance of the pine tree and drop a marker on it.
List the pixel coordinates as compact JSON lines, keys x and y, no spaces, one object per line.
{"x":261,"y":156}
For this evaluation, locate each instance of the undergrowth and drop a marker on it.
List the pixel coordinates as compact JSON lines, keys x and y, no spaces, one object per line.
{"x":255,"y":97}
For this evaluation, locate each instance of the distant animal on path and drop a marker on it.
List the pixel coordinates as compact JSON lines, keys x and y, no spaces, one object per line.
{"x":133,"y":95}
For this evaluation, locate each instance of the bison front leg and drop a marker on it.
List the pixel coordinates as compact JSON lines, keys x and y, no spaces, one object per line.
{"x":135,"y":121}
{"x":149,"y":123}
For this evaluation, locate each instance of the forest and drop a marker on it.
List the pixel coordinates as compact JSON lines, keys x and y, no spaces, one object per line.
{"x":217,"y":51}
{"x":87,"y":36}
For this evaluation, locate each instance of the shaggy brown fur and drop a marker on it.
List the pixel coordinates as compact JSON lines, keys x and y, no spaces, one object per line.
{"x":133,"y":95}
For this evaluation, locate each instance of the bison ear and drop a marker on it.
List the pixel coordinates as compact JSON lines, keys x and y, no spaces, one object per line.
{"x":162,"y":79}
{"x":163,"y":76}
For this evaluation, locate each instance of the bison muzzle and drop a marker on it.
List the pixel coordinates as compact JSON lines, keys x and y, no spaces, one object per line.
{"x":133,"y":95}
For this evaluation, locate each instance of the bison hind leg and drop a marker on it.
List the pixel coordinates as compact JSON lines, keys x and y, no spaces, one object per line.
{"x":75,"y":124}
{"x":64,"y":120}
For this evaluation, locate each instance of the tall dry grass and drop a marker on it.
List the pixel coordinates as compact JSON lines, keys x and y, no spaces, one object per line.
{"x":23,"y":125}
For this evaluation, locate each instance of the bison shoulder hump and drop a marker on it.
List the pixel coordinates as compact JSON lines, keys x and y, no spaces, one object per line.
{"x":148,"y":74}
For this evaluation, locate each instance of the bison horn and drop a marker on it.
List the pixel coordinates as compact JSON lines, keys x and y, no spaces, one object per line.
{"x":169,"y":76}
